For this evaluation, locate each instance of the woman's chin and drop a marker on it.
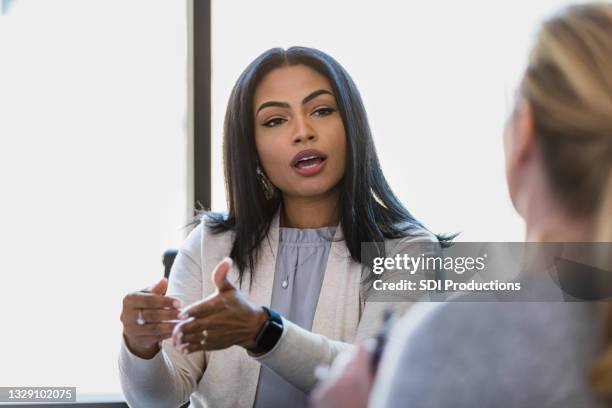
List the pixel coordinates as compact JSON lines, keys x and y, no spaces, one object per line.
{"x":312,"y":190}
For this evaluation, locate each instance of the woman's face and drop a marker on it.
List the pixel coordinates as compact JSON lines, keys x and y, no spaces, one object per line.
{"x":299,"y":133}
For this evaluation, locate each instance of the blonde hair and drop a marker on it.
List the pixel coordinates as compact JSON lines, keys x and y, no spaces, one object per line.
{"x":568,"y":84}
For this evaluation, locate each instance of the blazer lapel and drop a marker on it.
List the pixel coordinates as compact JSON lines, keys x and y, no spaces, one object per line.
{"x":339,"y":307}
{"x":260,"y":293}
{"x":235,"y":360}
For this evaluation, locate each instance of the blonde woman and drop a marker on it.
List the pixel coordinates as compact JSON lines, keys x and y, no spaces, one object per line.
{"x":558,"y":147}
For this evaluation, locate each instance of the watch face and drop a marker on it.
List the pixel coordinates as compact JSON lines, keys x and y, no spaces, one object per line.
{"x":269,"y":335}
{"x":270,"y":332}
{"x":277,"y":327}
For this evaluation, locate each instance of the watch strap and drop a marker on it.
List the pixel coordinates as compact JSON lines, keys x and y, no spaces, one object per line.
{"x":270,"y":333}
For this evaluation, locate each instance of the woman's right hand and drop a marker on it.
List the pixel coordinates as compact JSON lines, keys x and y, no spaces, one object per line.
{"x":143,"y":341}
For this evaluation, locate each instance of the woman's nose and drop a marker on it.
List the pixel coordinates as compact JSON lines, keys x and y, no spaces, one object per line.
{"x":302,"y":131}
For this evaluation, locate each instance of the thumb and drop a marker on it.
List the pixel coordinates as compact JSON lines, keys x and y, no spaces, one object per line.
{"x":219,"y":275}
{"x":159,"y":288}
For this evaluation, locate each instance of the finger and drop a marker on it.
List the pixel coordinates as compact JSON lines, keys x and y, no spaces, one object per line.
{"x":185,"y":329}
{"x":158,"y":315}
{"x":150,"y":329}
{"x":188,"y":348}
{"x":195,"y":337}
{"x":141,"y":300}
{"x":194,"y":324}
{"x":201,"y":308}
{"x":131,"y":315}
{"x":191,"y":330}
{"x":219,"y":275}
{"x":177,"y":333}
{"x":158,"y":288}
{"x":196,"y":334}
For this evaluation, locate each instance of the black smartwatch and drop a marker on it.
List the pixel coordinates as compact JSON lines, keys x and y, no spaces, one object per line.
{"x":269,"y":334}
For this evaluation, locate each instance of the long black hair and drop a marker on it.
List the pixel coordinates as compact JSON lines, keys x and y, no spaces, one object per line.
{"x":369,"y":211}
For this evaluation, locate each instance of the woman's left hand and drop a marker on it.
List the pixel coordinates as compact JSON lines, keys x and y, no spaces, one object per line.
{"x":223,"y":319}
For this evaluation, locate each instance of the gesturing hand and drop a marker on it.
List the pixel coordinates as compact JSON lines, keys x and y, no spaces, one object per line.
{"x":159,"y":313}
{"x":223,"y":319}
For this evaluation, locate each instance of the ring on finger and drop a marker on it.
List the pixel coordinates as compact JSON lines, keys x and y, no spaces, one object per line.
{"x":204,"y":337}
{"x":140,"y":320}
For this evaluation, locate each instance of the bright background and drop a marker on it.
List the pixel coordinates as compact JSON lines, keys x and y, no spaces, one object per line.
{"x":437,"y":79}
{"x":93,"y":170}
{"x":95,"y":143}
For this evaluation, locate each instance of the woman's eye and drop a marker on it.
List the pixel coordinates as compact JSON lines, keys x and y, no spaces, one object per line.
{"x":273,"y":122}
{"x":323,"y":112}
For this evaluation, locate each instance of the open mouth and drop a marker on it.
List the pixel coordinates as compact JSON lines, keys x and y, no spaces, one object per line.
{"x":309,"y":162}
{"x":308,"y":158}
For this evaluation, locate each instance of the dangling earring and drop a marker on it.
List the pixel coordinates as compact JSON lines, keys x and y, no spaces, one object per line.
{"x":268,"y":188}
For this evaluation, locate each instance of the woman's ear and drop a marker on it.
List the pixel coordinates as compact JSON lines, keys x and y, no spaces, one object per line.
{"x":519,"y":146}
{"x":522,"y":145}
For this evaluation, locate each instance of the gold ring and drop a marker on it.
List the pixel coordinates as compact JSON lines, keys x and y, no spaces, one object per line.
{"x":205,"y":336}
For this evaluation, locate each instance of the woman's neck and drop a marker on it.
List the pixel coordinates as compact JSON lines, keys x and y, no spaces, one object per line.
{"x":311,"y":212}
{"x":546,"y":219}
{"x":557,"y":226}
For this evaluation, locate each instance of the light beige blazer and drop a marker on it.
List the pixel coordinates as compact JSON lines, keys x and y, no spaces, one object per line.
{"x":228,"y":378}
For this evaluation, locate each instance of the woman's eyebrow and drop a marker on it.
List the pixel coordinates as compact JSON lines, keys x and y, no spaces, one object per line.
{"x":315,"y":94}
{"x":307,"y":99}
{"x":272,"y":103}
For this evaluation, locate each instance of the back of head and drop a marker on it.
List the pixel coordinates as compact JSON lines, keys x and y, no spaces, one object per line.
{"x":568,"y":85}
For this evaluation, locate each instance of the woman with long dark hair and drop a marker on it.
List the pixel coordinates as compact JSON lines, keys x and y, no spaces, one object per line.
{"x":305,"y":190}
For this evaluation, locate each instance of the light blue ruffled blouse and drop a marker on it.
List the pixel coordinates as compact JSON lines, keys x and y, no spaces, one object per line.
{"x":300,"y":267}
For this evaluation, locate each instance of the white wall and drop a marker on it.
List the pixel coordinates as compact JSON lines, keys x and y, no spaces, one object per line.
{"x":434,"y":77}
{"x":93,"y":176}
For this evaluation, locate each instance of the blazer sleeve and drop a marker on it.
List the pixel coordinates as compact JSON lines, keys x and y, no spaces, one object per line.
{"x":169,"y":378}
{"x":299,"y":351}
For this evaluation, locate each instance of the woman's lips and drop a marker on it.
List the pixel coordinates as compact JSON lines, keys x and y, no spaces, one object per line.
{"x":309,"y":162}
{"x":311,"y":168}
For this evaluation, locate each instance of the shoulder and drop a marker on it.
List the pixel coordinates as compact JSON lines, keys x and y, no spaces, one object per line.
{"x":210,"y":223}
{"x":485,"y":352}
{"x":415,"y":239}
{"x":206,"y":226}
{"x":494,"y":325}
{"x":212,"y":219}
{"x":414,"y":234}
